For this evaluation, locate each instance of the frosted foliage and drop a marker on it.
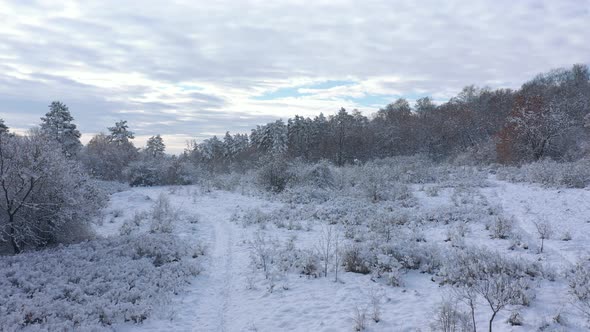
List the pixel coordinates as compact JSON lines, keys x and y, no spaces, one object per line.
{"x":47,"y":198}
{"x":94,"y":284}
{"x":57,"y":125}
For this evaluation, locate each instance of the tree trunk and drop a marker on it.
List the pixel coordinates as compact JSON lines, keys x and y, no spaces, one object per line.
{"x":13,"y":242}
{"x":471,"y":304}
{"x":492,"y":320}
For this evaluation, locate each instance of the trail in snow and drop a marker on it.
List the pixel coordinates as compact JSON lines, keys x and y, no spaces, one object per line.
{"x":207,"y":304}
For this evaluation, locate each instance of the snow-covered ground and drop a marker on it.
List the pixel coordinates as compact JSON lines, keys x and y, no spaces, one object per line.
{"x":232,"y":292}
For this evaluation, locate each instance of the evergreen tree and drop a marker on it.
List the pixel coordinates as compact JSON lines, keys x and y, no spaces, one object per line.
{"x":57,"y":124}
{"x":120,"y":133}
{"x":155,"y":147}
{"x":229,"y":149}
{"x":3,"y":127}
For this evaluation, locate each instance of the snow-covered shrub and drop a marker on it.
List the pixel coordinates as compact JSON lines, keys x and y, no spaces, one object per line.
{"x":357,"y":259}
{"x":359,"y":318}
{"x":95,"y":284}
{"x":109,"y":187}
{"x":254,"y":216}
{"x":550,"y":173}
{"x":579,"y":287}
{"x":310,"y":264}
{"x":499,"y":281}
{"x":483,"y":153}
{"x":501,"y":227}
{"x":464,"y":213}
{"x":263,"y":251}
{"x":144,"y":173}
{"x":456,"y":234}
{"x":432,"y":190}
{"x":566,"y":236}
{"x":133,"y":225}
{"x":164,"y":170}
{"x":374,"y":180}
{"x":162,"y":215}
{"x":305,"y":195}
{"x":449,"y":318}
{"x":273,"y":174}
{"x":228,"y":182}
{"x":385,"y":224}
{"x":317,"y":175}
{"x":515,"y":319}
{"x":414,"y":255}
{"x":389,"y":269}
{"x":375,"y":297}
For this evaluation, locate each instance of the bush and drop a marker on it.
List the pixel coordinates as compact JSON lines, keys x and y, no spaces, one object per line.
{"x":162,"y":215}
{"x":550,"y":173}
{"x":501,"y":228}
{"x":357,"y":260}
{"x":449,"y":319}
{"x":579,"y":283}
{"x":273,"y":174}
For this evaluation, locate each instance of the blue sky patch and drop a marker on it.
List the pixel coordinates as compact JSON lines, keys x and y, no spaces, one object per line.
{"x":293,"y":91}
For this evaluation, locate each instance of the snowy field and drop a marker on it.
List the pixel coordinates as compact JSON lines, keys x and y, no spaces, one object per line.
{"x":196,"y":259}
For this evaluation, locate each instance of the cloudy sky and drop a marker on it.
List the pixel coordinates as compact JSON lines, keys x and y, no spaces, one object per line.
{"x":192,"y":69}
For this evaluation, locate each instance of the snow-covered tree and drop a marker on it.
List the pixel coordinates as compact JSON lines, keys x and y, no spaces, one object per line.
{"x":229,"y":147}
{"x":57,"y":124}
{"x":3,"y":127}
{"x":155,"y":147}
{"x":424,"y":105}
{"x":271,"y":138}
{"x":46,"y":198}
{"x":106,"y":158}
{"x":120,"y":133}
{"x":533,"y":127}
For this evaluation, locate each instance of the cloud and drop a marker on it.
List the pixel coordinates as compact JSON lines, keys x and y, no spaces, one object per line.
{"x":186,"y":69}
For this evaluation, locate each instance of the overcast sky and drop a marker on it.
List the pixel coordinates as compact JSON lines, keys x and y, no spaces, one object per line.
{"x":192,"y":69}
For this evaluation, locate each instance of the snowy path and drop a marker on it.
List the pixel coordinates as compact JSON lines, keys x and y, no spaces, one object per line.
{"x":212,"y":315}
{"x":208,"y":303}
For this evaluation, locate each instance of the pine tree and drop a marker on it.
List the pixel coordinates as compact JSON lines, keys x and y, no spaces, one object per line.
{"x":120,"y":133}
{"x":3,"y":127}
{"x":57,"y":124}
{"x":155,"y":147}
{"x":229,"y":149}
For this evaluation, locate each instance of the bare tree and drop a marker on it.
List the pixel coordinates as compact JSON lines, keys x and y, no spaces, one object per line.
{"x":337,"y":256}
{"x":468,"y":295}
{"x":544,"y":229}
{"x":499,"y":291}
{"x":325,"y":247}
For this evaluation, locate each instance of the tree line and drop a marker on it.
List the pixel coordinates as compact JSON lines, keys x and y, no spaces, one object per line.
{"x":548,"y":117}
{"x":545,"y":118}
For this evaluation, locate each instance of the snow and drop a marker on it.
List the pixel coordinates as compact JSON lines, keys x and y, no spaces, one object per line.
{"x":232,"y":294}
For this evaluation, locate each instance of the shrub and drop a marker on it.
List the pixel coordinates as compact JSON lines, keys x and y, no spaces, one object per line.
{"x":579,"y":284}
{"x":273,"y":174}
{"x":162,"y":215}
{"x":356,"y":260}
{"x":501,"y":227}
{"x":449,"y":319}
